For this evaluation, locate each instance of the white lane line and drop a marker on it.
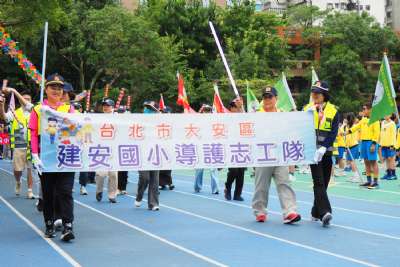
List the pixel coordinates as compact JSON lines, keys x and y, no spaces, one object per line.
{"x":163,"y":240}
{"x":308,"y":192}
{"x":311,"y":204}
{"x":268,"y":236}
{"x":59,"y":250}
{"x":280,"y":214}
{"x":181,"y":248}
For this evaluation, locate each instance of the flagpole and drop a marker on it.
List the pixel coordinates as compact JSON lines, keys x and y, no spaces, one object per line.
{"x":221,"y":52}
{"x":46,"y":29}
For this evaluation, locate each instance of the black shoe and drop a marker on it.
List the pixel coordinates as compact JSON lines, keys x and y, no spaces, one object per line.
{"x":216,"y":193}
{"x":67,"y":233}
{"x":99,"y":196}
{"x":50,"y":232}
{"x":326,"y":219}
{"x":227,"y":194}
{"x":39,"y":205}
{"x":171,"y":187}
{"x":366,"y":184}
{"x":162,"y":187}
{"x":239,"y":198}
{"x":112,"y":200}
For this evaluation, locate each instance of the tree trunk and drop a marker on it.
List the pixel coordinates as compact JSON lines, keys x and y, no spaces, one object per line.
{"x":95,"y":78}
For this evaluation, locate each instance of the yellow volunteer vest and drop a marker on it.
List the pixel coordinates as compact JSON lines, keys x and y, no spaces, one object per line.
{"x":20,"y":118}
{"x":64,"y":108}
{"x":325,"y":126}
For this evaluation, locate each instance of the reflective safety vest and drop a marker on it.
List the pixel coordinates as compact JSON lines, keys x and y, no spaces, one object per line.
{"x":20,"y":123}
{"x":64,"y":108}
{"x":324,"y":126}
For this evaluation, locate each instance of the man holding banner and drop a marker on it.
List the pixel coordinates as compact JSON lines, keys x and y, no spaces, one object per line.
{"x":326,"y":124}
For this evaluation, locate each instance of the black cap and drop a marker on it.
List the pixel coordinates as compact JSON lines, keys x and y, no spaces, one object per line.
{"x":320,"y":87}
{"x":121,"y":109}
{"x":205,"y":108}
{"x":269,"y":91}
{"x":55,"y":79}
{"x":107,"y":102}
{"x":76,"y":105}
{"x":68,"y":87}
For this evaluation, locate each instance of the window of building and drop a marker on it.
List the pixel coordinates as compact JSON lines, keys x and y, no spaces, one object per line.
{"x":337,"y":5}
{"x":368,"y":7}
{"x":388,"y":14}
{"x":361,"y":7}
{"x":329,"y":6}
{"x":343,"y":6}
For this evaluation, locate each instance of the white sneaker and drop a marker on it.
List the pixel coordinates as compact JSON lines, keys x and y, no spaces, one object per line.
{"x":340,"y":173}
{"x":58,"y":225}
{"x":138,"y":203}
{"x":155,"y":208}
{"x":292,"y":178}
{"x":18,"y":188}
{"x":354,"y":179}
{"x":118,"y":192}
{"x":30,"y":194}
{"x":83,"y":191}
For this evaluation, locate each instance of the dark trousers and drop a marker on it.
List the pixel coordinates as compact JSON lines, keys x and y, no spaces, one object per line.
{"x":321,"y":174}
{"x":91,"y":177}
{"x":148,"y":179}
{"x":83,"y":178}
{"x":58,"y":187}
{"x":122,"y":180}
{"x":237,"y":175}
{"x":165,"y":177}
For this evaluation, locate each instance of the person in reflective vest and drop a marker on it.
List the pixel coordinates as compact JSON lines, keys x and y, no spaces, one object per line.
{"x":326,"y":122}
{"x":53,"y":184}
{"x":20,"y":138}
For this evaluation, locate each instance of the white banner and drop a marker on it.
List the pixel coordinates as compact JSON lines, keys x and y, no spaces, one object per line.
{"x":92,"y":142}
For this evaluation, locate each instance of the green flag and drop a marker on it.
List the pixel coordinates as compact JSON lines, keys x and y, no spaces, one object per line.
{"x":252,"y":102}
{"x":384,"y":103}
{"x":285,"y":99}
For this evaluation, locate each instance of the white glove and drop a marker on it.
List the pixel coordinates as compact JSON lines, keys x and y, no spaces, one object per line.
{"x":319,"y":154}
{"x":37,"y":163}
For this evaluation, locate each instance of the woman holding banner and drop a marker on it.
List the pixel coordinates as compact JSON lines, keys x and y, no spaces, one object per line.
{"x":326,"y":124}
{"x":54,"y":184}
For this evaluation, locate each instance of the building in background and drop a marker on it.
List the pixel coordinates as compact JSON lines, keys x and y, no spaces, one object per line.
{"x":375,"y":8}
{"x":392,"y":14}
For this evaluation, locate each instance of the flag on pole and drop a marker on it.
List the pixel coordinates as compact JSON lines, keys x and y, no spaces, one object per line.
{"x":314,"y":79}
{"x":384,"y":103}
{"x":218,"y":106}
{"x":252,"y":102}
{"x":182,"y":97}
{"x":11,"y":106}
{"x":285,"y":99}
{"x":161,"y":104}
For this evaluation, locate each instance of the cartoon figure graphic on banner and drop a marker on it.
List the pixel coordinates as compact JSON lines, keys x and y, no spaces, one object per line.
{"x":52,"y":128}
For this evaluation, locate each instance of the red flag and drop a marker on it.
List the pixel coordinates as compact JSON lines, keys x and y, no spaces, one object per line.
{"x":161,"y":105}
{"x":218,"y":106}
{"x":182,"y":97}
